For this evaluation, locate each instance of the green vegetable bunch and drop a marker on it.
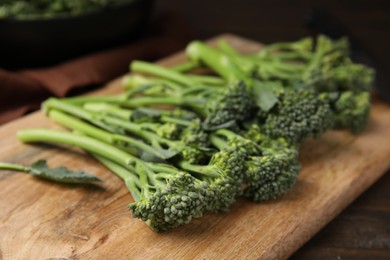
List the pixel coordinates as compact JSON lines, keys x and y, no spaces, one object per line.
{"x":185,"y":143}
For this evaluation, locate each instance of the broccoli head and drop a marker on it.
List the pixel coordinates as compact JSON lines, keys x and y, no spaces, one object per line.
{"x":297,"y":115}
{"x":350,"y":110}
{"x":169,"y":197}
{"x":269,"y":165}
{"x":274,"y":171}
{"x":233,"y":104}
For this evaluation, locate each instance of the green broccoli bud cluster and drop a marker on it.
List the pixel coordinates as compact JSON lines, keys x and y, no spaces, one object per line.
{"x":274,"y":172}
{"x":185,"y":144}
{"x":297,"y":115}
{"x":169,"y":131}
{"x":351,"y":111}
{"x":234,"y":104}
{"x":175,"y":199}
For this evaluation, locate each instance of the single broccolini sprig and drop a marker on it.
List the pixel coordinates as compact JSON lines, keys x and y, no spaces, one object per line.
{"x":350,"y":110}
{"x":164,"y":197}
{"x":270,"y":165}
{"x":167,"y":196}
{"x":275,"y":171}
{"x":60,"y":174}
{"x":297,"y":115}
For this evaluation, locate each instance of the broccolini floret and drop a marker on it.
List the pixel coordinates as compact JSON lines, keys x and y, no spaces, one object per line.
{"x":275,"y":171}
{"x":169,"y":197}
{"x":350,"y":110}
{"x":270,"y":165}
{"x":224,"y":174}
{"x":297,"y":115}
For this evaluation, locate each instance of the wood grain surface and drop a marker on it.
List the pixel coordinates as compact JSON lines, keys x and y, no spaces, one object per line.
{"x":43,"y":220}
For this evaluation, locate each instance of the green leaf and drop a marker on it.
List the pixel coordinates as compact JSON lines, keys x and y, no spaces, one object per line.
{"x":265,"y":94}
{"x":60,"y":174}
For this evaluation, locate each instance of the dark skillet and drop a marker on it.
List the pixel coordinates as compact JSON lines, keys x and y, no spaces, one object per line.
{"x":33,"y":43}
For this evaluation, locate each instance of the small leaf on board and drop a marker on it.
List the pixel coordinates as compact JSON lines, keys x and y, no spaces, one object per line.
{"x":61,"y":174}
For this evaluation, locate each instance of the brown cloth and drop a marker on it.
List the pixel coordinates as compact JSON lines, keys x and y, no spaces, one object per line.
{"x":23,"y":91}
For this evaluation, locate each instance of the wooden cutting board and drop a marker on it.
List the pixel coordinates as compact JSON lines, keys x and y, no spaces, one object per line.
{"x":42,"y":220}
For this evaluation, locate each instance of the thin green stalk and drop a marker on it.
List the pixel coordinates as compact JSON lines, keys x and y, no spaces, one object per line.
{"x":207,"y":80}
{"x":87,"y":143}
{"x":197,"y":104}
{"x":78,"y":125}
{"x":165,"y":73}
{"x":135,"y":81}
{"x":75,"y":110}
{"x":109,"y":109}
{"x":200,"y":169}
{"x":186,"y":66}
{"x":13,"y":167}
{"x":137,"y":130}
{"x":113,"y":139}
{"x":109,"y":99}
{"x":217,"y":60}
{"x":126,"y":174}
{"x":218,"y":142}
{"x":168,"y":119}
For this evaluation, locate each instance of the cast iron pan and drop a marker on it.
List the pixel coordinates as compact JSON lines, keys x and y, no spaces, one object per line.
{"x":36,"y":43}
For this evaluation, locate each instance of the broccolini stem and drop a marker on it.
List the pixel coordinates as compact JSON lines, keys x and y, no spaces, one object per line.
{"x":109,"y":99}
{"x":109,"y":109}
{"x":75,"y":110}
{"x":165,"y":73}
{"x":13,"y":167}
{"x":178,"y":121}
{"x":227,"y":133}
{"x":135,"y":81}
{"x":128,"y":176}
{"x":216,"y":60}
{"x":150,"y":101}
{"x":205,"y":170}
{"x":186,"y":66}
{"x":99,"y":134}
{"x":207,"y":80}
{"x":137,"y":130}
{"x":83,"y":142}
{"x":218,"y":142}
{"x":197,"y":104}
{"x":143,"y":173}
{"x":78,"y":125}
{"x":133,"y":128}
{"x":245,"y":63}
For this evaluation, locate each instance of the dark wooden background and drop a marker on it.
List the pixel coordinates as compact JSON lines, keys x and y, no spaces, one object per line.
{"x":362,"y":231}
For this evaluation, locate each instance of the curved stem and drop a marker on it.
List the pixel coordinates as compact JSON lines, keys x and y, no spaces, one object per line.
{"x":127,"y":175}
{"x":108,"y":109}
{"x":13,"y":167}
{"x":186,"y":66}
{"x":78,"y":125}
{"x":83,"y":142}
{"x":217,"y":60}
{"x":200,"y":169}
{"x":102,"y":135}
{"x":75,"y":110}
{"x":84,"y":99}
{"x":218,"y":142}
{"x":178,"y":121}
{"x":165,"y":73}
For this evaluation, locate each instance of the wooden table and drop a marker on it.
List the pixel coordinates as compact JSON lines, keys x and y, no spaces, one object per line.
{"x":40,"y":220}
